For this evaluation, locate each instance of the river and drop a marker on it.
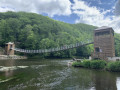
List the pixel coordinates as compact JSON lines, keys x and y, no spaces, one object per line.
{"x":53,"y":75}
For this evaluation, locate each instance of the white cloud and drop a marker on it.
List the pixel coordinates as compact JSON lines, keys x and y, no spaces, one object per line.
{"x":86,"y":13}
{"x":5,"y":9}
{"x":50,"y":7}
{"x":117,"y":8}
{"x":94,"y":16}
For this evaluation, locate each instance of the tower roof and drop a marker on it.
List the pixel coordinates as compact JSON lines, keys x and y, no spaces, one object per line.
{"x":103,"y":27}
{"x":10,"y":43}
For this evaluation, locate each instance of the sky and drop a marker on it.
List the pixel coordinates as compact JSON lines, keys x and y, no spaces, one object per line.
{"x":94,"y":12}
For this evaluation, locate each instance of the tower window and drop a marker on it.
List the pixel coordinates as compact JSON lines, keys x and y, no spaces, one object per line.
{"x":97,"y":49}
{"x":102,"y":33}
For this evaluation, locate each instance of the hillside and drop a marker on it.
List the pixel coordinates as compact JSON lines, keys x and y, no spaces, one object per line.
{"x":33,"y":31}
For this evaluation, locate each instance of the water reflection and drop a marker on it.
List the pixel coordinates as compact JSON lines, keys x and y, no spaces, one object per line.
{"x":56,"y":75}
{"x":8,"y":71}
{"x":118,"y":83}
{"x":104,"y":80}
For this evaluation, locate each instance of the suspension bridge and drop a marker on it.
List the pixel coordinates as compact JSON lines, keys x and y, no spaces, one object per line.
{"x":103,"y":45}
{"x":65,"y":47}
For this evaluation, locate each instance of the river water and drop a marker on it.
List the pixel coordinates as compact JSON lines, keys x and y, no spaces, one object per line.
{"x":53,"y":75}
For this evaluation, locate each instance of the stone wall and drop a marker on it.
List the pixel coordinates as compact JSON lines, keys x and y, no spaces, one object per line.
{"x":113,"y":58}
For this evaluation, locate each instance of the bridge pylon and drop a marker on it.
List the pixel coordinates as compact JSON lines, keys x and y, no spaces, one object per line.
{"x":103,"y":43}
{"x":9,"y":48}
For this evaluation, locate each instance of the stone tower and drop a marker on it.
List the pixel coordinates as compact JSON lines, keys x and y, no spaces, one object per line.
{"x":8,"y":50}
{"x":103,"y":43}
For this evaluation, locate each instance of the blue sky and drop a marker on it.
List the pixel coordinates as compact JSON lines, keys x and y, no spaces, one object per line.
{"x":100,"y":4}
{"x":94,"y":12}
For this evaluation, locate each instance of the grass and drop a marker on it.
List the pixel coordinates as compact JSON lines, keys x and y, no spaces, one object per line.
{"x":77,"y":64}
{"x":113,"y":66}
{"x":99,"y":64}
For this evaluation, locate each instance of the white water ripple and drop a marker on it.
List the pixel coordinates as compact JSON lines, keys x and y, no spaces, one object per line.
{"x":3,"y":68}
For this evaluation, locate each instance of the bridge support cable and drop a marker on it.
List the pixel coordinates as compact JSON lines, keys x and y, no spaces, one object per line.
{"x":65,"y":47}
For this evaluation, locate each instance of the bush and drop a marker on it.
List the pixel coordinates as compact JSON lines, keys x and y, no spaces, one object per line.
{"x":97,"y":64}
{"x":86,"y":63}
{"x":77,"y":64}
{"x":113,"y":66}
{"x":94,"y":64}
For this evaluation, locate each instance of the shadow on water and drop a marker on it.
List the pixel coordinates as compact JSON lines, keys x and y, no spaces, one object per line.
{"x":104,"y":80}
{"x":55,"y":75}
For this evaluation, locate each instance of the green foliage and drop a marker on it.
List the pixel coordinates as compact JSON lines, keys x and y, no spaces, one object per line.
{"x":86,"y":63}
{"x":33,"y":31}
{"x":117,"y":44}
{"x":97,"y":64}
{"x":77,"y":64}
{"x":94,"y":64}
{"x":113,"y":66}
{"x":84,"y":51}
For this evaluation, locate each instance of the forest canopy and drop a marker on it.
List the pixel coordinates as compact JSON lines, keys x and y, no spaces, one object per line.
{"x":33,"y":31}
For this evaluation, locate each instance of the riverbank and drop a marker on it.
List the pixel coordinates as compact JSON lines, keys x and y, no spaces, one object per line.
{"x":7,"y":57}
{"x":98,"y":64}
